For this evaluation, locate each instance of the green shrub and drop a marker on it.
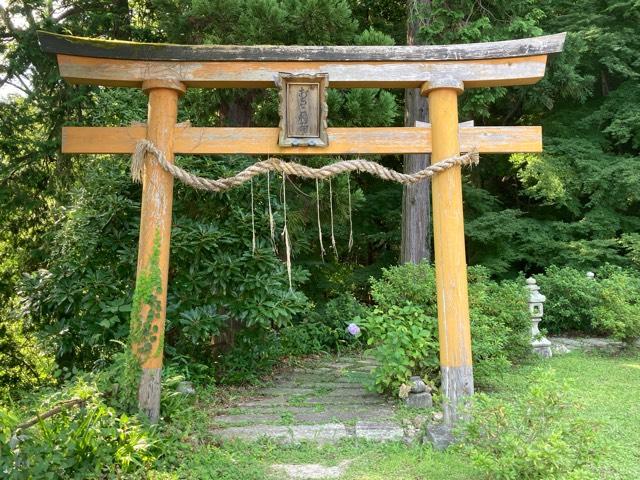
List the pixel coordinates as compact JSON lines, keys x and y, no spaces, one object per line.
{"x":258,"y":350}
{"x":571,"y":299}
{"x":500,"y":323}
{"x":537,"y":435}
{"x":24,"y":361}
{"x":91,"y":440}
{"x":406,"y":295}
{"x":335,"y":316}
{"x":304,"y":338}
{"x":618,"y":309}
{"x":405,"y":340}
{"x":254,"y":354}
{"x":410,"y":283}
{"x":606,"y":305}
{"x":81,"y":301}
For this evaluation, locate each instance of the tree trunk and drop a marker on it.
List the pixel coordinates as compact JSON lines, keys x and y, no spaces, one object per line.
{"x":416,"y":209}
{"x":122,"y":19}
{"x":236,"y":111}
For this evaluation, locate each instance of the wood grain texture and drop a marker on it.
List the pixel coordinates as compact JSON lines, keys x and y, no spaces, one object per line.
{"x":259,"y":141}
{"x":457,"y":387}
{"x":246,"y":74}
{"x":155,"y":217}
{"x":149,"y":391}
{"x":91,"y":47}
{"x":454,"y":329}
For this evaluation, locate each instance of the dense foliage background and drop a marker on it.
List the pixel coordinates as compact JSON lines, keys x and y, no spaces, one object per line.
{"x":69,"y":223}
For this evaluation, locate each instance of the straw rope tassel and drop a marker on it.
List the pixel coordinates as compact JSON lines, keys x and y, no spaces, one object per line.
{"x":285,"y":230}
{"x":322,"y":250}
{"x":350,"y":218}
{"x":333,"y":238}
{"x":272,"y":224}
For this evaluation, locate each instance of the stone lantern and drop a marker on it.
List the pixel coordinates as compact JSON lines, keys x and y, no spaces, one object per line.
{"x":540,"y":344}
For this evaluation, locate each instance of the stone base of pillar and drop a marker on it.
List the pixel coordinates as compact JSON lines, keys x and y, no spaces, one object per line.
{"x":542,"y":347}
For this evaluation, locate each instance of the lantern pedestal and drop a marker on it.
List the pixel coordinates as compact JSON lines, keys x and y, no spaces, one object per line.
{"x":540,"y":344}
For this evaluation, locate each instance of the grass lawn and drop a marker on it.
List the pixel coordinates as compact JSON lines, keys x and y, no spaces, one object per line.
{"x":607,"y":387}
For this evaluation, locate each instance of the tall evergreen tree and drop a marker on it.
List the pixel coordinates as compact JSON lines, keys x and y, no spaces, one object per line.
{"x":416,"y":206}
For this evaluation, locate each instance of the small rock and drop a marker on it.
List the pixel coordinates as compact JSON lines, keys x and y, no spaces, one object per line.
{"x":437,"y":416}
{"x":419,"y":421}
{"x":440,"y":436}
{"x":419,"y":400}
{"x":560,"y":349}
{"x":404,"y":391}
{"x":411,"y":434}
{"x":417,"y":385}
{"x":186,"y":388}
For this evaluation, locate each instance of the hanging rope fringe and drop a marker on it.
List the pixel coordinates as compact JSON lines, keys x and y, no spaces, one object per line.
{"x":272,"y":224}
{"x":350,"y":245}
{"x":333,"y":238}
{"x":290,"y":168}
{"x":144,"y":147}
{"x":285,"y":230}
{"x":322,"y":250}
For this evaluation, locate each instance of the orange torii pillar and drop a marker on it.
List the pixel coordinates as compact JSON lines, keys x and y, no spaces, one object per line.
{"x":153,"y":247}
{"x":454,"y":329}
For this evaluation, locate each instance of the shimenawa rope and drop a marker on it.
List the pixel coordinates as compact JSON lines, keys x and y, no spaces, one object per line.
{"x":290,"y":168}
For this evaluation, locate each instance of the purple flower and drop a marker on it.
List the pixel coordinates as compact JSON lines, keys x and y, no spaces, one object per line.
{"x":353,"y":329}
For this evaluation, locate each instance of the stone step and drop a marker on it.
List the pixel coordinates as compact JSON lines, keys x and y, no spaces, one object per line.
{"x":326,"y":433}
{"x":339,"y":370}
{"x":379,"y":431}
{"x":311,"y":390}
{"x":310,"y":471}
{"x":324,"y":402}
{"x":312,"y":408}
{"x":323,"y":433}
{"x":365,"y":400}
{"x":329,"y":384}
{"x":308,"y":417}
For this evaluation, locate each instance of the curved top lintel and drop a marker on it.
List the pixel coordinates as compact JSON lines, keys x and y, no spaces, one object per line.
{"x":97,"y":48}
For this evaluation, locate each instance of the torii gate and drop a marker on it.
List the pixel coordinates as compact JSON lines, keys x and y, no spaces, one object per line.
{"x":164,"y":72}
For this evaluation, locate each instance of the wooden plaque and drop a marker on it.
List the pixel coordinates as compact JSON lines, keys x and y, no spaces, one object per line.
{"x":303,"y":110}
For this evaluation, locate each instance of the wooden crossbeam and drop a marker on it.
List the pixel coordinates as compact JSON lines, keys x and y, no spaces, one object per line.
{"x":262,"y":141}
{"x":244,"y":74}
{"x":128,"y":64}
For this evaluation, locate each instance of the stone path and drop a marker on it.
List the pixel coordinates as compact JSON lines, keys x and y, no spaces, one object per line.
{"x":324,"y":401}
{"x":560,"y":345}
{"x":311,"y":471}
